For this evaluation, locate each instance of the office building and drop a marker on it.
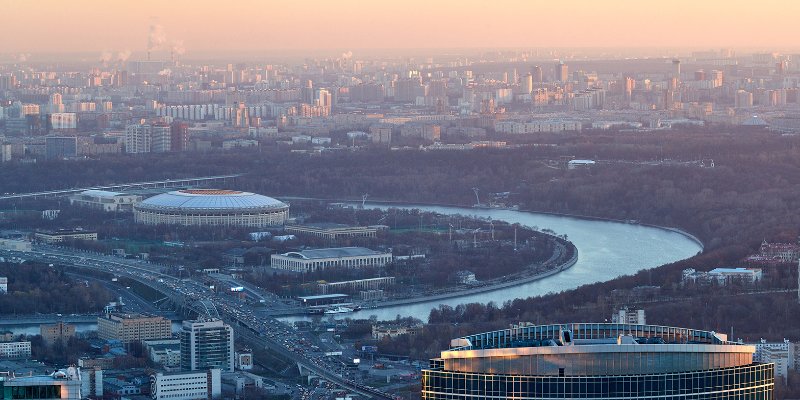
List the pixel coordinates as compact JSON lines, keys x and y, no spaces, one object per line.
{"x":59,"y":148}
{"x":52,"y":333}
{"x":62,"y":384}
{"x":187,"y":386}
{"x":206,"y":344}
{"x":12,"y":350}
{"x":102,"y":200}
{"x":131,"y":327}
{"x":339,"y":257}
{"x":597,"y":361}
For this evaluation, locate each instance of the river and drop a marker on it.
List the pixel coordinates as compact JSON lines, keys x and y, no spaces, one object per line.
{"x":606,"y":250}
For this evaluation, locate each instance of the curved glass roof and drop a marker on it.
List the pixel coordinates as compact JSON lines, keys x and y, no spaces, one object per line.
{"x":199,"y":199}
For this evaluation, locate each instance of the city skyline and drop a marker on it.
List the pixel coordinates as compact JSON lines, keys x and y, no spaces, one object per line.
{"x":252,"y":26}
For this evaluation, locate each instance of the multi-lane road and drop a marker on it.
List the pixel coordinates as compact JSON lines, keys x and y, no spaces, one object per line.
{"x":252,"y":325}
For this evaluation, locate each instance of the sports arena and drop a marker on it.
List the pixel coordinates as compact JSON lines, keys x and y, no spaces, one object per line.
{"x":211,"y":207}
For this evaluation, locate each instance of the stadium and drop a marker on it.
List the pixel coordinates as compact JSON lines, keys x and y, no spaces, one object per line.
{"x":597,"y":361}
{"x":211,"y":207}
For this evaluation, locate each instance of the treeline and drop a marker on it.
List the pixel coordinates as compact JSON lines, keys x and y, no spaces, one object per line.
{"x":748,"y":195}
{"x":37,"y":288}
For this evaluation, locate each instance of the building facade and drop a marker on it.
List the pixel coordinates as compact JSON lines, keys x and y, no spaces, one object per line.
{"x":105,"y":201}
{"x":52,"y":333}
{"x":339,"y":257}
{"x":62,"y":384}
{"x":598,"y":361}
{"x":211,"y":207}
{"x":59,"y":236}
{"x":187,"y":386}
{"x":332,"y":231}
{"x":206,"y":344}
{"x":13,"y":350}
{"x":132,"y":327}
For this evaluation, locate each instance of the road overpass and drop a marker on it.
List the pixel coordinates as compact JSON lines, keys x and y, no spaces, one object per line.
{"x":121,"y":187}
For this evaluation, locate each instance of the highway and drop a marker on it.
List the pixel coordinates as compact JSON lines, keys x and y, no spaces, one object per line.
{"x":179,"y":182}
{"x":253,"y":325}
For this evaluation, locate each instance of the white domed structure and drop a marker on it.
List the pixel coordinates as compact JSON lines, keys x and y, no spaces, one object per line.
{"x":211,"y":207}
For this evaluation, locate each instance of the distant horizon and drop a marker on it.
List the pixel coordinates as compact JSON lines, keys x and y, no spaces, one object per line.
{"x":183,"y":26}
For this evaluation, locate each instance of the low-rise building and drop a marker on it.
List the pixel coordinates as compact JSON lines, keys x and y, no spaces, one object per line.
{"x":11,"y":350}
{"x":187,"y":385}
{"x":105,"y":201}
{"x":382,"y":331}
{"x":358,"y":284}
{"x":241,"y":381}
{"x":15,"y":245}
{"x":132,"y":327}
{"x":332,"y":231}
{"x":62,"y":235}
{"x":628,"y":316}
{"x":244,"y":360}
{"x":166,"y":352}
{"x":339,"y":257}
{"x":722,"y":276}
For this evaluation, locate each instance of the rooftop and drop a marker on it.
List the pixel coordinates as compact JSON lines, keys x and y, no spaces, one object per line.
{"x":578,"y":334}
{"x":335,"y":252}
{"x":102,"y":193}
{"x":210,"y":199}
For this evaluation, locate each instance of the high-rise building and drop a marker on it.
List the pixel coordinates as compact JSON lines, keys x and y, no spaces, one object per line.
{"x":528,"y":84}
{"x":161,"y":138}
{"x":179,"y":136}
{"x":129,"y":328}
{"x":138,"y":138}
{"x":307,"y":92}
{"x":324,"y":99}
{"x":57,"y":148}
{"x":597,"y":361}
{"x":743,"y":99}
{"x":5,"y":152}
{"x":206,"y":344}
{"x":561,"y":72}
{"x":538,"y":75}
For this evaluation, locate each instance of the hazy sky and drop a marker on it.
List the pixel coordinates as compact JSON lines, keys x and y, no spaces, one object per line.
{"x":95,"y":25}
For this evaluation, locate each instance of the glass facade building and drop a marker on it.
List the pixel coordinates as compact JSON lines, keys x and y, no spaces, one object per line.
{"x":206,"y":345}
{"x":597,"y":361}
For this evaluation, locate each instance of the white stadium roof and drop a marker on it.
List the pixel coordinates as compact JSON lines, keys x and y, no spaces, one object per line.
{"x":211,"y":199}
